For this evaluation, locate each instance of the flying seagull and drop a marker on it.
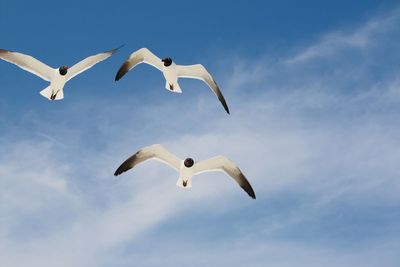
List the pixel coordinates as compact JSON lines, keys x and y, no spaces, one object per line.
{"x":171,"y":72}
{"x":57,"y":77}
{"x":187,"y":168}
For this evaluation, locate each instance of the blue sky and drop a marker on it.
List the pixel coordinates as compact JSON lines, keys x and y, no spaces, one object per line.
{"x":314,"y":93}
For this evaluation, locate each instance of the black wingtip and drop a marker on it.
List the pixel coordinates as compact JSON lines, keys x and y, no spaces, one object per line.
{"x":251,"y":193}
{"x":227,"y":109}
{"x":119,"y":75}
{"x":246,"y":186}
{"x":112,"y":51}
{"x":221,"y":98}
{"x":223,"y":102}
{"x":122,"y":71}
{"x":118,"y":171}
{"x":119,"y":47}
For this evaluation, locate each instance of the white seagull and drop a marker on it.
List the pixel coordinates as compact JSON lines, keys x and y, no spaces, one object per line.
{"x":171,"y":72}
{"x":187,"y":168}
{"x":57,"y":77}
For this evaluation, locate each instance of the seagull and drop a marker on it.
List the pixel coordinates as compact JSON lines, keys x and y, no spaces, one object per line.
{"x":171,"y":72}
{"x":187,"y":168}
{"x":57,"y":77}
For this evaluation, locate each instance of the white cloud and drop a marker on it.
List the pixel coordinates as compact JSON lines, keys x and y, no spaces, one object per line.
{"x":359,"y":39}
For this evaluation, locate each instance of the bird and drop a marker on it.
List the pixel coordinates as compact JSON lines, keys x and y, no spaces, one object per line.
{"x":187,"y":167}
{"x":171,"y":71}
{"x":56,"y":76}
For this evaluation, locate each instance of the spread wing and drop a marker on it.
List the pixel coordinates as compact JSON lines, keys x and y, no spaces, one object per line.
{"x":150,"y":152}
{"x":200,"y":73}
{"x":143,"y":55}
{"x":221,"y":163}
{"x":88,"y":62}
{"x":28,"y":63}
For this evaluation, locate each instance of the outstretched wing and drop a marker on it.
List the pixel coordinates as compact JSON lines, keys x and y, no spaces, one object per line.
{"x":28,"y":63}
{"x":221,"y":163}
{"x":143,"y":55}
{"x":200,"y":73}
{"x":88,"y":62}
{"x":150,"y":152}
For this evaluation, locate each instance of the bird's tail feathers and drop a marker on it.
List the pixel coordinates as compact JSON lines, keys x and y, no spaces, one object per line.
{"x":52,"y":94}
{"x":184,"y":183}
{"x":173,"y":87}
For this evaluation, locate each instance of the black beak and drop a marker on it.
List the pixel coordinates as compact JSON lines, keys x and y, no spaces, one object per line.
{"x":163,"y":60}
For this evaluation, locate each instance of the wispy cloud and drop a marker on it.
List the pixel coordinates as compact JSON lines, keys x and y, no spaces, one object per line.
{"x":355,"y":39}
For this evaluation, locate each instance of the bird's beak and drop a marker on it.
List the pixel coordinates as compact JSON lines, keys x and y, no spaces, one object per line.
{"x":162,"y":60}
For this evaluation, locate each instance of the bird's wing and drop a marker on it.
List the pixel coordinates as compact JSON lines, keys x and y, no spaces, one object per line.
{"x":154,"y":151}
{"x":200,"y":73}
{"x":88,"y":62}
{"x":221,"y":163}
{"x":28,"y":63}
{"x":143,"y":55}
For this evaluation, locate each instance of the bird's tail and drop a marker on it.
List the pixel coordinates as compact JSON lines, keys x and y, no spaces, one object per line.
{"x":173,"y":87}
{"x":52,"y":94}
{"x":185,"y":183}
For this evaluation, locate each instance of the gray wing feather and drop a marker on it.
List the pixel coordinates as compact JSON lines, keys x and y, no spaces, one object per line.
{"x":143,"y":55}
{"x":88,"y":62}
{"x":200,"y":73}
{"x":221,"y":163}
{"x":28,"y":63}
{"x":154,"y":151}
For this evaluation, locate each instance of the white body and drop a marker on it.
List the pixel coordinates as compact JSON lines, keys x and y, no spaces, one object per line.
{"x":171,"y":78}
{"x":185,"y":176}
{"x":56,"y":86}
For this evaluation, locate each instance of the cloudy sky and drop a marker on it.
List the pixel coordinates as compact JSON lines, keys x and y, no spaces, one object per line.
{"x":314,"y":94}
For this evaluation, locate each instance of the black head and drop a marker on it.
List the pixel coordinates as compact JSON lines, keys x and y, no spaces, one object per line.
{"x":167,"y":61}
{"x":188,"y":162}
{"x":63,"y":70}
